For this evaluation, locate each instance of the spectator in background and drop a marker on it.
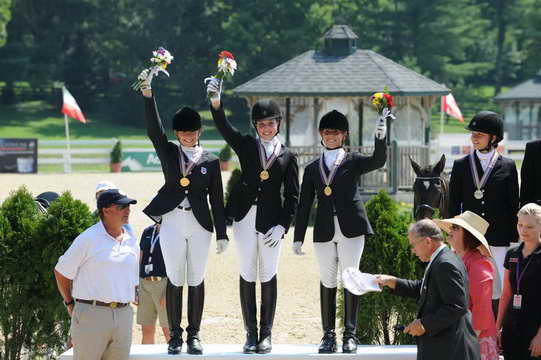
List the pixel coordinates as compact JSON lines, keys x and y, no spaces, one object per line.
{"x":152,"y":286}
{"x":466,"y":236}
{"x":519,"y":313}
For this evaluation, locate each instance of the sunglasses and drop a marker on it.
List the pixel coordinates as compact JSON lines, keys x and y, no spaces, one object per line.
{"x":455,"y":227}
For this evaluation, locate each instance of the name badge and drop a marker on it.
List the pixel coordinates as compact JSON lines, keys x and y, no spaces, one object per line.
{"x":513,"y":260}
{"x":517,"y":302}
{"x":148,"y":268}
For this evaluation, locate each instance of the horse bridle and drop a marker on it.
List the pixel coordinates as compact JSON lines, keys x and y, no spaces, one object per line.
{"x":430,"y":178}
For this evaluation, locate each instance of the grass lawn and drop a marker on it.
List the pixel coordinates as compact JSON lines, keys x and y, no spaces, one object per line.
{"x":35,"y":119}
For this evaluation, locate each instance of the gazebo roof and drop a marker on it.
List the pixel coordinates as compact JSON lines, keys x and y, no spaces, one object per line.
{"x":528,"y":90}
{"x":359,"y":74}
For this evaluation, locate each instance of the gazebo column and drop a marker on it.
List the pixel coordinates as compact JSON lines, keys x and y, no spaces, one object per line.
{"x":288,"y":121}
{"x":361,"y":120}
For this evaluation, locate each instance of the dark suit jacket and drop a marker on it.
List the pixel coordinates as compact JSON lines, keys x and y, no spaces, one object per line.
{"x":274,"y":206}
{"x":443,"y":310}
{"x":499,"y":206}
{"x":345,"y":199}
{"x":205,"y":179}
{"x":530,"y":174}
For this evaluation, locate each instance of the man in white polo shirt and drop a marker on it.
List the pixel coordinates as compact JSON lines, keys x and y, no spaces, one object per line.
{"x":97,"y":277}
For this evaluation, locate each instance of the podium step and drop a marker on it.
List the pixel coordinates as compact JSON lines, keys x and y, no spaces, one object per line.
{"x":234,"y":351}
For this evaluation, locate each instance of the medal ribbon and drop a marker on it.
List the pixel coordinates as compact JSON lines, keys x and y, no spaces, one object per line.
{"x":328,"y":179}
{"x":187,"y":168}
{"x":480,"y":183}
{"x":265,"y":164}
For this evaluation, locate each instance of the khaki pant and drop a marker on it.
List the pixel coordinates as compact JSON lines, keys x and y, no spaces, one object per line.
{"x":101,"y":333}
{"x":150,"y":295}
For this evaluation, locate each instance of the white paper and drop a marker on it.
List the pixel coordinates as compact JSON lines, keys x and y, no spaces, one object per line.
{"x":359,"y":283}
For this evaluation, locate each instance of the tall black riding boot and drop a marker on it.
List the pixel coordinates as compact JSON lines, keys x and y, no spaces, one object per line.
{"x":327,"y":300}
{"x":269,"y":294}
{"x":196,"y":302}
{"x":173,"y":305}
{"x":249,"y":314}
{"x":351,"y":307}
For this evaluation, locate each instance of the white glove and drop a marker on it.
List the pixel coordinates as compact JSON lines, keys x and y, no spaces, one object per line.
{"x":221,"y":246}
{"x":297,"y":248}
{"x":214,"y":87}
{"x":274,"y":236}
{"x":381,"y":124}
{"x":147,"y":77}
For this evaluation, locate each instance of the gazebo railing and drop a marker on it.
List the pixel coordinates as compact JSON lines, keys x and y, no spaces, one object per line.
{"x":402,"y":177}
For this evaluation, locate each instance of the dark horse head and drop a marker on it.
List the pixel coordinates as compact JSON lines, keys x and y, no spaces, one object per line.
{"x":430,"y":190}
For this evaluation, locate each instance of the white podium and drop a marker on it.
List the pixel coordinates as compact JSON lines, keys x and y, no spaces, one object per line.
{"x":232,"y":351}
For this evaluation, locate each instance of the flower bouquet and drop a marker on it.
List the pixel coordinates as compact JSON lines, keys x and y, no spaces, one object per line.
{"x":383,"y":102}
{"x":159,"y":61}
{"x":226,"y":65}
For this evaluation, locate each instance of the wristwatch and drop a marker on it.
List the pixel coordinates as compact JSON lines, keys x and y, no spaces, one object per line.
{"x":68,"y":303}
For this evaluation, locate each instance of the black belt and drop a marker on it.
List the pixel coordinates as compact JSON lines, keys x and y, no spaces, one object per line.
{"x":184,"y":208}
{"x":113,"y":304}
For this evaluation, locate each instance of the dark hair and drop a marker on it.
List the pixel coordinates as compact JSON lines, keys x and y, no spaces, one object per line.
{"x":470,"y":241}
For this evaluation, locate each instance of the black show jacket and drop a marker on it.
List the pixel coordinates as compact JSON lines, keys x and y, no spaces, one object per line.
{"x":530,"y":174}
{"x":345,"y":200}
{"x":205,"y":179}
{"x":276,"y":197}
{"x":499,"y":205}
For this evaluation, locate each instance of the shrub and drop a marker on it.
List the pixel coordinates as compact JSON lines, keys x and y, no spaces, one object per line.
{"x":33,"y":320}
{"x":116,"y":153}
{"x":387,"y":252}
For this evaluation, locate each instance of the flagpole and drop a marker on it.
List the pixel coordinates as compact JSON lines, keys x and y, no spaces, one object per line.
{"x":67,"y":158}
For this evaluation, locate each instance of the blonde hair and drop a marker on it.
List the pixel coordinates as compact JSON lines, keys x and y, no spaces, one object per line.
{"x":533,"y":210}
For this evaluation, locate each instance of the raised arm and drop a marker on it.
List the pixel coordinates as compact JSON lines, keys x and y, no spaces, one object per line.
{"x":155,"y":130}
{"x":365,"y":164}
{"x":231,"y":135}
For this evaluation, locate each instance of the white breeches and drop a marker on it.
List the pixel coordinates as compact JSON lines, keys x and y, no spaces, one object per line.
{"x":498,"y":258}
{"x":253,"y":254}
{"x":185,"y":247}
{"x":336,"y":255}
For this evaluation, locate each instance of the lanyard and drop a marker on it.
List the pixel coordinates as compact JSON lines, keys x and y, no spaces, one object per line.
{"x":519,"y":274}
{"x":185,"y":169}
{"x":480,"y":183}
{"x":153,"y":240}
{"x":266,"y":162}
{"x":328,"y":179}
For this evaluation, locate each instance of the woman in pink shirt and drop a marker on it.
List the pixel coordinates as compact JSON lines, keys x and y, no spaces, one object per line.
{"x":466,"y":236}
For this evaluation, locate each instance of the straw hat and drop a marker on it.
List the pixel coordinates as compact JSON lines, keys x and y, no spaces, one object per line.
{"x":472,"y":222}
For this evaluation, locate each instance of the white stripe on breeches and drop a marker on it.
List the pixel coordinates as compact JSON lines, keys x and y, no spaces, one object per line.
{"x":498,"y":258}
{"x":336,"y":255}
{"x":185,"y":247}
{"x":252,"y":252}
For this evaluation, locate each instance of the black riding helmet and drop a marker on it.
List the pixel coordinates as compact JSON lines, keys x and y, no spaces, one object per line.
{"x":266,"y":110}
{"x":334,"y":120}
{"x":186,"y":119}
{"x":487,"y":122}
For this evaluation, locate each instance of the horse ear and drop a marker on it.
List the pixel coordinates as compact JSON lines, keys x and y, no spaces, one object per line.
{"x":440,"y":165}
{"x":415,"y":166}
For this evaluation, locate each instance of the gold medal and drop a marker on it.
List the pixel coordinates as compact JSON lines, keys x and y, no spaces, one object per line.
{"x":327,"y":191}
{"x":264,"y":175}
{"x":184,"y":182}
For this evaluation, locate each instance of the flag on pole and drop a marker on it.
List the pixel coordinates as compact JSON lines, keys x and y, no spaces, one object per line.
{"x":449,"y":106}
{"x":70,"y":107}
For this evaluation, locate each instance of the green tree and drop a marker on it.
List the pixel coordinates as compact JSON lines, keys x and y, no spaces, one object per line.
{"x":387,"y":252}
{"x":5,"y":16}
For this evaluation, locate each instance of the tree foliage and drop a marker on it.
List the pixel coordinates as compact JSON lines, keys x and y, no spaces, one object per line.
{"x":387,"y":252}
{"x":97,"y":53}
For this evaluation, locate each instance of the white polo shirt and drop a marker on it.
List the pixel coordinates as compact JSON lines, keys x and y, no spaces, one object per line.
{"x":101,"y":267}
